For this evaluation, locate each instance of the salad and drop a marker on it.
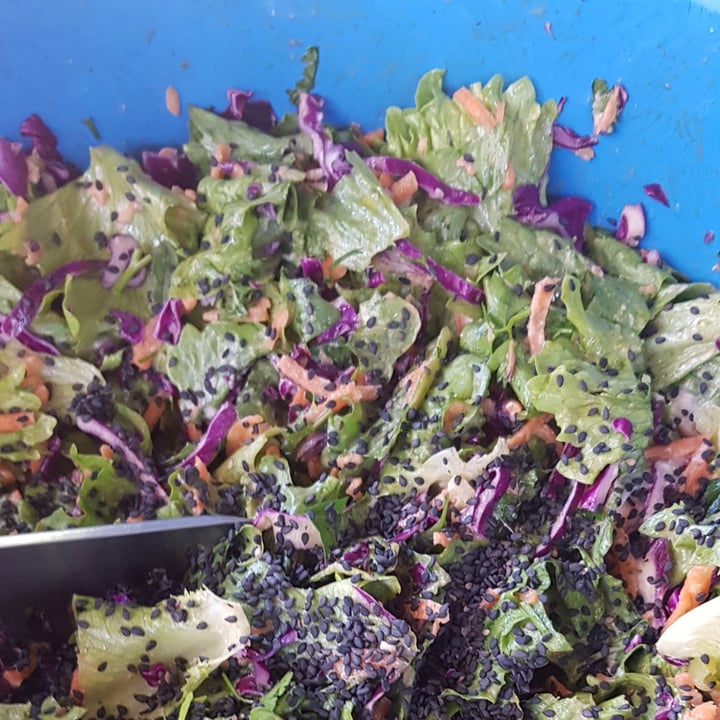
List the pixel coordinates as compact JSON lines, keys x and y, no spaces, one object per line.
{"x":471,"y":437}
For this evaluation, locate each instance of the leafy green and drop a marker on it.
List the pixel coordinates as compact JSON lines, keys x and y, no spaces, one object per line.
{"x":208,"y":130}
{"x":306,"y":83}
{"x":438,"y":132}
{"x":356,"y":220}
{"x":387,"y":327}
{"x":207,"y":364}
{"x":673,"y":352}
{"x":585,"y":401}
{"x":192,"y":627}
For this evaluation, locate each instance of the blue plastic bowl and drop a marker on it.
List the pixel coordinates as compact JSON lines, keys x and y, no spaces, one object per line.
{"x":72,"y":59}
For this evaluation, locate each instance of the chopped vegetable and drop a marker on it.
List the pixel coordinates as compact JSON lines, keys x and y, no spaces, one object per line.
{"x":470,"y":440}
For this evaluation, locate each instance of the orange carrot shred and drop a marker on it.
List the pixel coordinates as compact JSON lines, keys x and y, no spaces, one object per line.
{"x":693,"y":593}
{"x":475,"y":107}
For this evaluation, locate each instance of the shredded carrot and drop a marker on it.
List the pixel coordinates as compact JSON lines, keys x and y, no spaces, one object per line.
{"x":189,"y":304}
{"x":21,"y":205}
{"x":292,"y":370}
{"x":217,"y":172}
{"x":511,"y":361}
{"x":172,"y":100}
{"x":453,"y":412}
{"x":126,"y":212}
{"x":373,"y":137}
{"x":258,"y":313}
{"x":467,"y":166}
{"x":14,"y":677}
{"x":194,"y":433}
{"x":475,"y":107}
{"x":684,"y":447}
{"x":349,"y":459}
{"x":201,"y":467}
{"x":106,"y":452}
{"x":539,"y":308}
{"x":243,"y":431}
{"x":532,"y":428}
{"x":222,"y":152}
{"x":154,"y":411}
{"x":385,"y":180}
{"x":486,"y":604}
{"x":529,"y":596}
{"x":273,"y":450}
{"x":333,"y":270}
{"x":693,"y":697}
{"x":99,"y":195}
{"x":402,"y":190}
{"x":14,"y":422}
{"x":609,"y":114}
{"x":33,"y":253}
{"x":353,"y":487}
{"x":314,"y":466}
{"x":211,"y":316}
{"x":705,"y":711}
{"x":7,"y":477}
{"x":697,"y":470}
{"x":75,"y":690}
{"x":555,"y":687}
{"x":586,"y":153}
{"x":204,"y":475}
{"x":500,"y":112}
{"x":693,"y":593}
{"x":143,"y":351}
{"x":280,"y":320}
{"x":509,"y":179}
{"x":422,"y":145}
{"x":441,"y":538}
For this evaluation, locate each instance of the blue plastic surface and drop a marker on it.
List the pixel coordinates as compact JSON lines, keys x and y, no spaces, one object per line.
{"x":112,"y":60}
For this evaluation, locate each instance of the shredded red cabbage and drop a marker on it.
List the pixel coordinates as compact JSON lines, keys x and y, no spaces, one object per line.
{"x":564,"y":137}
{"x":106,"y":434}
{"x":130,"y":327}
{"x":209,"y":443}
{"x":594,"y":497}
{"x":169,"y":322}
{"x":121,"y":247}
{"x":170,"y":168}
{"x":13,"y":168}
{"x":256,"y":113}
{"x":631,"y":228}
{"x":312,"y":269}
{"x":309,"y":446}
{"x":487,"y":497}
{"x":329,"y":155}
{"x":560,"y":524}
{"x":455,"y":284}
{"x":346,"y":324}
{"x":28,"y":306}
{"x":56,"y":171}
{"x":566,"y":216}
{"x":623,"y":426}
{"x":656,"y":192}
{"x":432,"y":185}
{"x":31,"y":341}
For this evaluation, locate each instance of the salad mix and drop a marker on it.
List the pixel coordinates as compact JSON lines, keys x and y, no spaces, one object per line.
{"x":472,"y":438}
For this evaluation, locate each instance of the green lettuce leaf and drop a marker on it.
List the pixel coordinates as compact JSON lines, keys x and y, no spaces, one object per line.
{"x":356,"y":220}
{"x":207,"y":130}
{"x":387,"y":327}
{"x":207,"y":364}
{"x":190,"y":635}
{"x":672,"y":351}
{"x":438,"y":133}
{"x":585,"y":401}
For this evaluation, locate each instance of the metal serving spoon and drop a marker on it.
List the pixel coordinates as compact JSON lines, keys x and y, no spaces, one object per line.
{"x":42,"y":570}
